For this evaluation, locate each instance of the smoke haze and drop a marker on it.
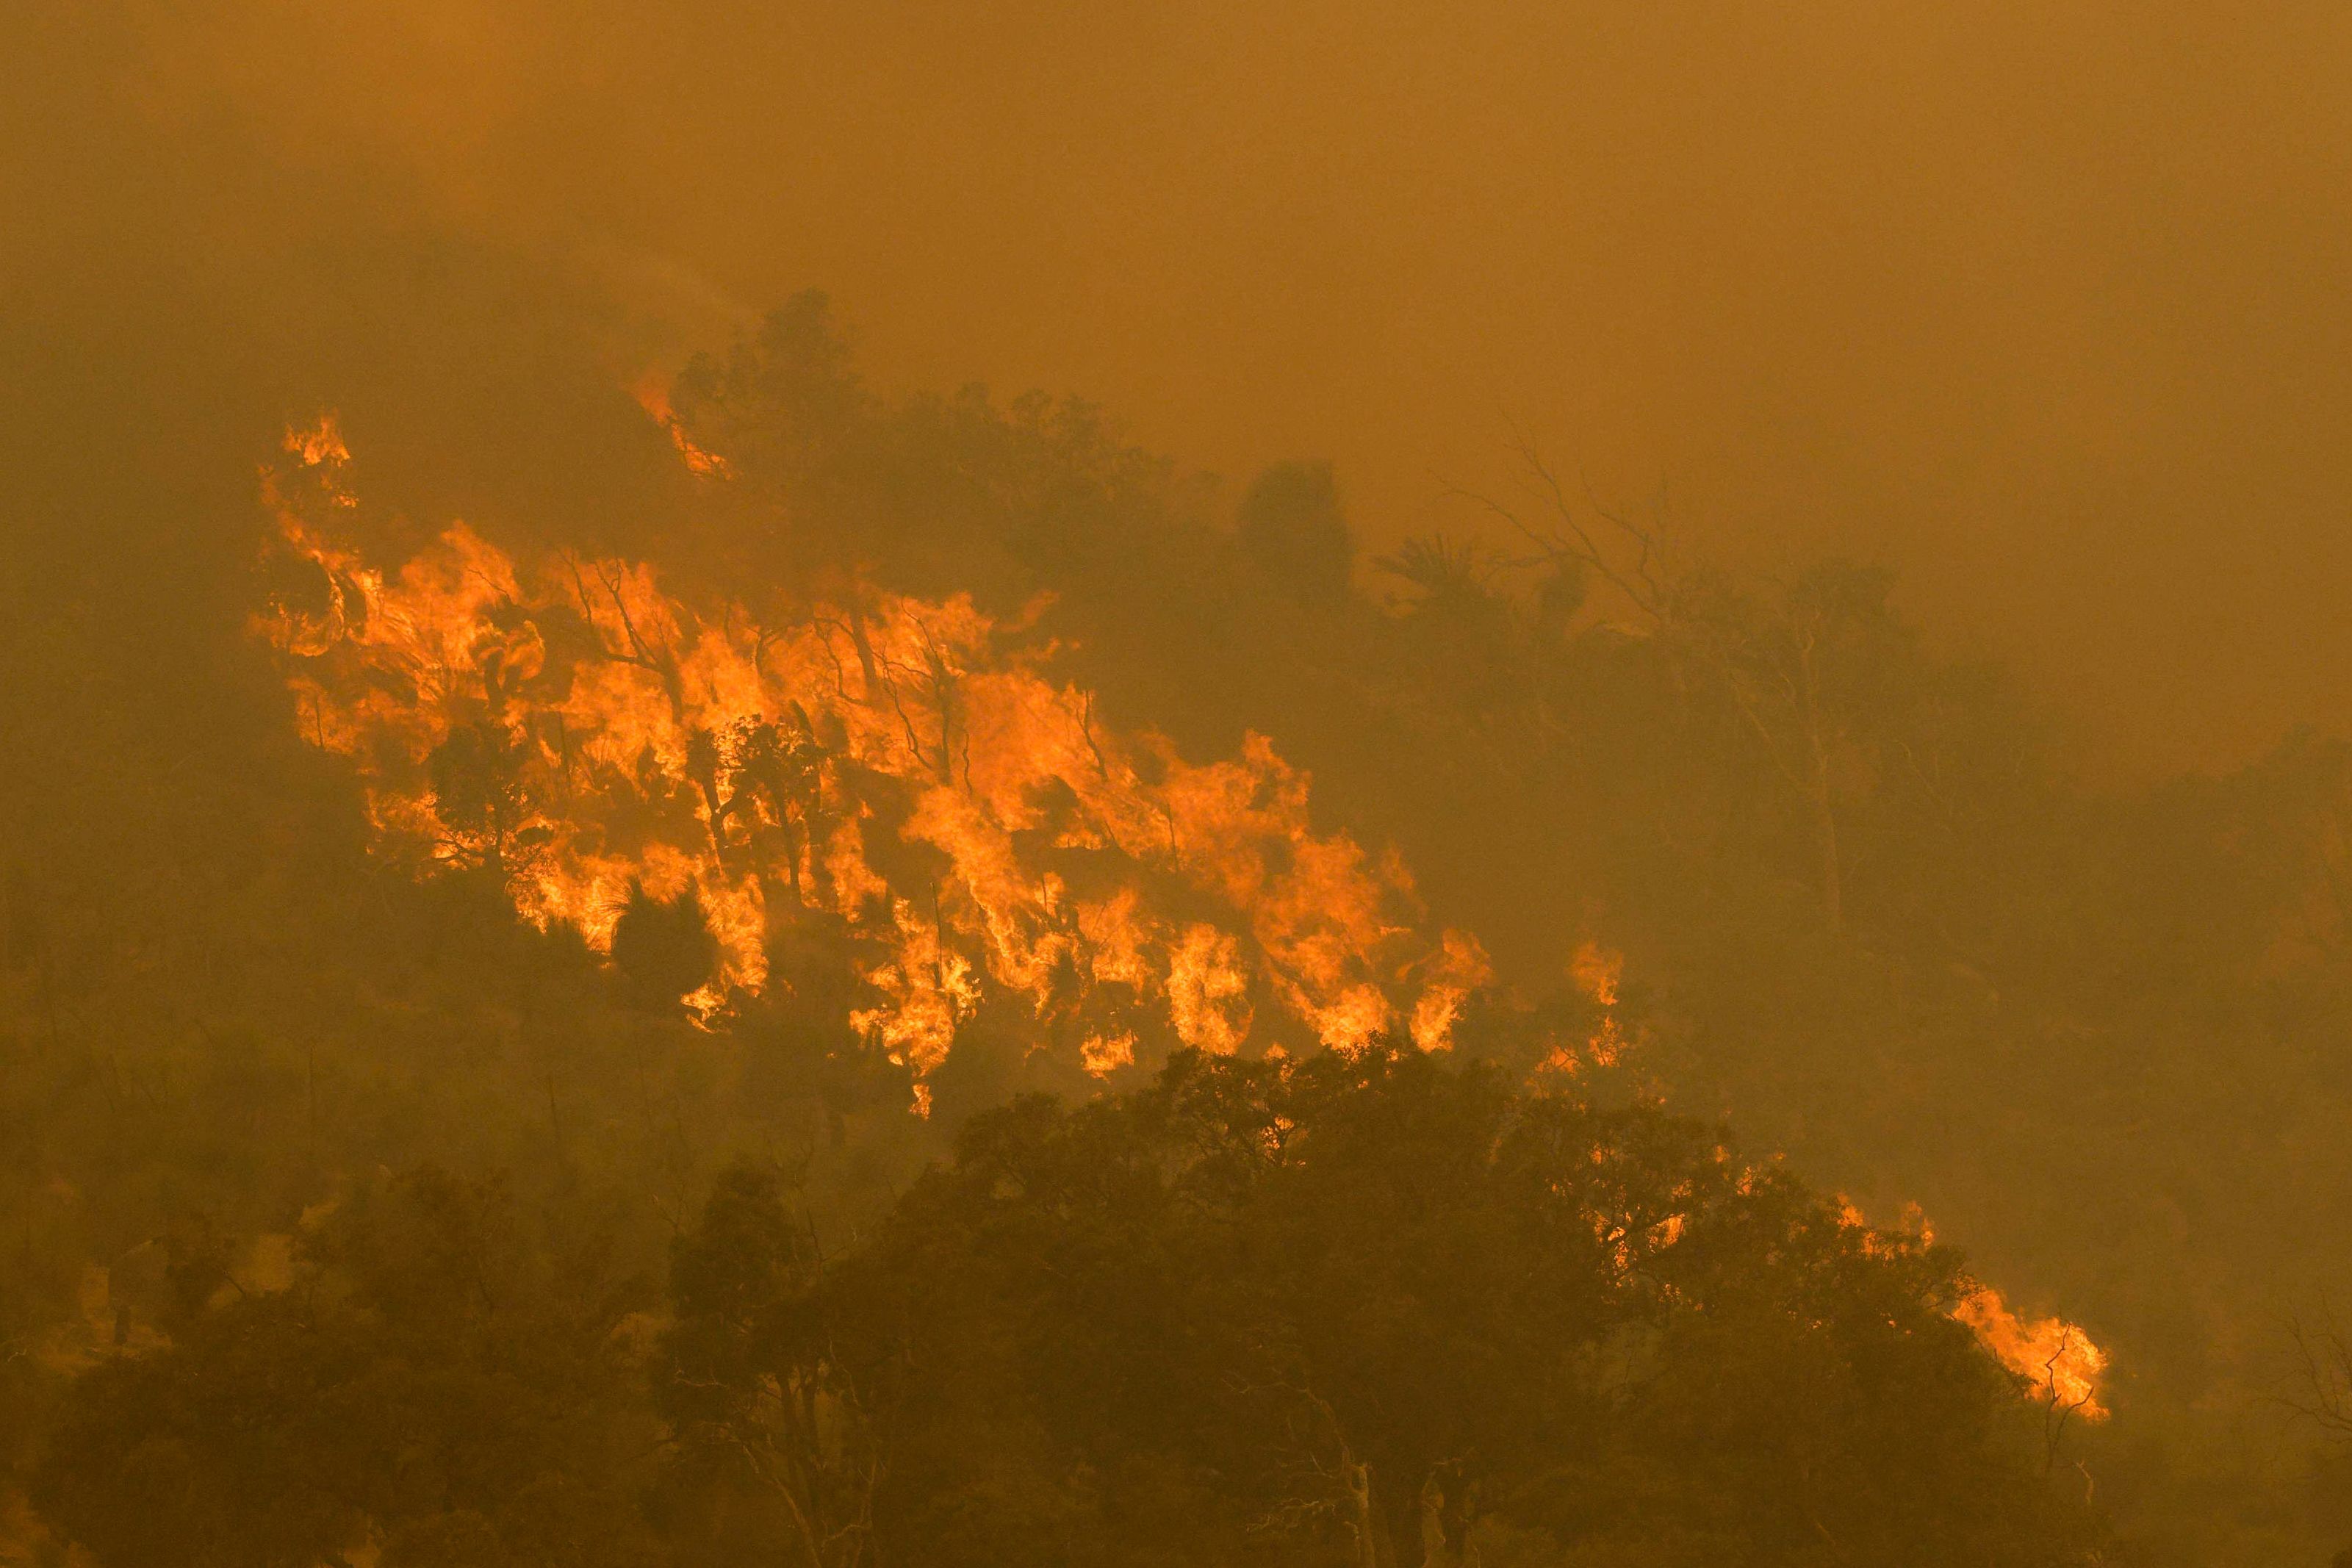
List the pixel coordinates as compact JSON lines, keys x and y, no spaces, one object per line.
{"x":499,"y":678}
{"x":2041,"y":306}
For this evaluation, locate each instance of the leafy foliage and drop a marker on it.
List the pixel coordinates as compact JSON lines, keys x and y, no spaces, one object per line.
{"x":1352,"y":1307}
{"x":1364,"y":1301}
{"x":1864,"y":910}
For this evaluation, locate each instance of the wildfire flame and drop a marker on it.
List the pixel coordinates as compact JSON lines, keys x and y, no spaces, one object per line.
{"x":896,"y":777}
{"x":1596,"y":972}
{"x":2059,"y":1361}
{"x":2056,"y":1358}
{"x":652,"y":394}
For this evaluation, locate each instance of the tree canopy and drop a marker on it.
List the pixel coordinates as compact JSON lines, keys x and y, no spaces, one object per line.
{"x":1865,"y":913}
{"x":1371,"y":1308}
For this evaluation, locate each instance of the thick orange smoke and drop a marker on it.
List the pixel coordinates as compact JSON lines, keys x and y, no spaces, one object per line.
{"x":897,"y":778}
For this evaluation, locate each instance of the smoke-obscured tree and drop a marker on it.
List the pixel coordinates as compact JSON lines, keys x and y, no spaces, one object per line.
{"x":1292,"y":525}
{"x":663,"y":948}
{"x":1462,"y":639}
{"x":479,"y":793}
{"x":836,"y":489}
{"x":1813,"y":675}
{"x":1293,"y":1303}
{"x":438,"y":1382}
{"x":771,"y":1455}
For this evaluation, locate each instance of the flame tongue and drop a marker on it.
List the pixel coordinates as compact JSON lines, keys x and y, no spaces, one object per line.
{"x":2057,"y":1360}
{"x":578,"y":731}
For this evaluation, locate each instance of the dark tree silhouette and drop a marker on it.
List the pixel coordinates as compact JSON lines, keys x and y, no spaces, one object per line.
{"x":1293,"y":528}
{"x":663,"y":948}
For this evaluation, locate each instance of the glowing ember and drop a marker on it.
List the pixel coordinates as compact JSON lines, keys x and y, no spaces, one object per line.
{"x":892,"y":776}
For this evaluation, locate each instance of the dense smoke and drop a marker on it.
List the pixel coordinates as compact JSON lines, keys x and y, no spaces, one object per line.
{"x":1707,"y":787}
{"x":2039,"y":307}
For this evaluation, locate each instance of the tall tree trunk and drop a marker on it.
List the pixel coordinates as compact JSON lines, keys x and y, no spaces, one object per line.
{"x":1401,"y":1509}
{"x":1826,"y":837}
{"x":1450,"y":1505}
{"x":1825,"y":834}
{"x":864,"y":647}
{"x":1359,"y":1479}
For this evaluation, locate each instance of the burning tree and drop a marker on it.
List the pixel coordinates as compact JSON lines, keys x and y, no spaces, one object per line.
{"x":904,"y":770}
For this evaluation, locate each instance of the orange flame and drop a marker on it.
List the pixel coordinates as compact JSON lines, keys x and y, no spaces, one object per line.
{"x":2056,"y":1357}
{"x":652,"y":394}
{"x":2058,"y":1361}
{"x":1596,"y":972}
{"x":891,"y":770}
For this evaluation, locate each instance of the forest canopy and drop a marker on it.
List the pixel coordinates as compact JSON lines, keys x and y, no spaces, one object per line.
{"x":1357,"y":1308}
{"x":1360,"y":1191}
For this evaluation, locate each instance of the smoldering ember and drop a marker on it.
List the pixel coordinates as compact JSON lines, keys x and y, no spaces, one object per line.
{"x":1641,"y":858}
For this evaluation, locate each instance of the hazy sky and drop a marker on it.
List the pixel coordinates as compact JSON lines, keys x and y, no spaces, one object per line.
{"x":2043,"y":304}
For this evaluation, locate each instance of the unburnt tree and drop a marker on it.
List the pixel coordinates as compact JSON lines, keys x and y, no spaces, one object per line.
{"x":772,"y":1456}
{"x":437,"y":1384}
{"x":1339,"y":1309}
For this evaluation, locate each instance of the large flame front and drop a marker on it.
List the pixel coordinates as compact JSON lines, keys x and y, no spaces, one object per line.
{"x":897,"y":778}
{"x":899,"y":782}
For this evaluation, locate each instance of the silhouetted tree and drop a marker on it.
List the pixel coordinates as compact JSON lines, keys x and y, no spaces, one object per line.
{"x":479,"y":793}
{"x":437,"y":1383}
{"x":772,"y":1456}
{"x":1292,"y":526}
{"x":663,"y":948}
{"x":1373,"y":1294}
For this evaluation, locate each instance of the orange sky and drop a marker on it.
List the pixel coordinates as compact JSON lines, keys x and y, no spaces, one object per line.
{"x":2044,"y":305}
